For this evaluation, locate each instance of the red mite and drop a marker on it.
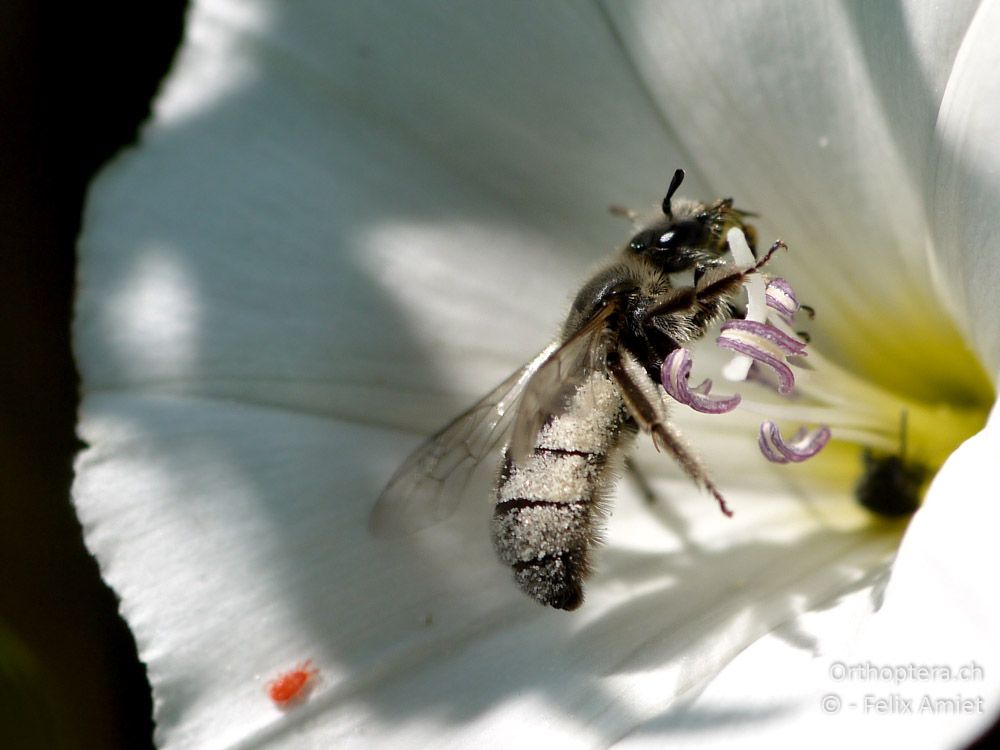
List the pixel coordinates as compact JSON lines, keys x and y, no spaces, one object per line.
{"x":292,"y":686}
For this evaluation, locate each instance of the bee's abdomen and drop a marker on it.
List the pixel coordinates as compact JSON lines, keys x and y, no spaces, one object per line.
{"x":549,"y":509}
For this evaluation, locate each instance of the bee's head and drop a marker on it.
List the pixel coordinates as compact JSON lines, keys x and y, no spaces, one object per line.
{"x":690,"y":235}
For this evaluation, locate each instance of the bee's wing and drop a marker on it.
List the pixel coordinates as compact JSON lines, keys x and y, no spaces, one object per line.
{"x":548,"y":391}
{"x":428,"y":486}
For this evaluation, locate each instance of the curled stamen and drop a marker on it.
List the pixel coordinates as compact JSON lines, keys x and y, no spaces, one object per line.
{"x":674,"y":374}
{"x":765,"y":344}
{"x":781,"y":298}
{"x":788,"y":345}
{"x":757,"y":342}
{"x":802,"y":446}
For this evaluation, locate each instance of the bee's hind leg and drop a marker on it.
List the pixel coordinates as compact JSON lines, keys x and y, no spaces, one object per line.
{"x":644,"y":404}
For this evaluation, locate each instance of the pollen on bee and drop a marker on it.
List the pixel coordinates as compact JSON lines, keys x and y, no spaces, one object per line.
{"x":293,"y":686}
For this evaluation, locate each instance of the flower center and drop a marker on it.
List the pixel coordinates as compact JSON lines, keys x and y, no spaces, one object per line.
{"x":903,"y":441}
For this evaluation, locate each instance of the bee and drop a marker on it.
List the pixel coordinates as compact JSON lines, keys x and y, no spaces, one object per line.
{"x":568,"y":418}
{"x":890,"y":483}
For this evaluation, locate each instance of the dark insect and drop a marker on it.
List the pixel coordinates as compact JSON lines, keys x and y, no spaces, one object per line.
{"x":568,"y":417}
{"x":890,"y":483}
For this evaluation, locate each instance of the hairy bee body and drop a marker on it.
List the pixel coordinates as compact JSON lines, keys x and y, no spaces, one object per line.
{"x":573,"y":411}
{"x":549,"y":504}
{"x":549,"y":507}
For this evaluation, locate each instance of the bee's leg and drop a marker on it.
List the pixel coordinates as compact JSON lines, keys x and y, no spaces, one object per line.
{"x":642,"y":399}
{"x":645,"y":488}
{"x":691,"y":301}
{"x":716,"y":284}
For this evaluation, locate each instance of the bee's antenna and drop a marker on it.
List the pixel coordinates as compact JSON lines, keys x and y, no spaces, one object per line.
{"x":675,"y":183}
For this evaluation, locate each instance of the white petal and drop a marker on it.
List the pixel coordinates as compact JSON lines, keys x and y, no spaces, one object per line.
{"x":908,"y":49}
{"x":942,"y":604}
{"x":323,"y":233}
{"x":236,"y":537}
{"x":378,"y":202}
{"x":940,"y":608}
{"x":237,"y":540}
{"x":966,"y":191}
{"x":802,"y":112}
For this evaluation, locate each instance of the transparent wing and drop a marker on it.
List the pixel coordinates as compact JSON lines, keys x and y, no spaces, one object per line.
{"x":428,"y":486}
{"x":549,"y":390}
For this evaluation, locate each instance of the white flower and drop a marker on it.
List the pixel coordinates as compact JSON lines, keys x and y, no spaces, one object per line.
{"x":347,"y":221}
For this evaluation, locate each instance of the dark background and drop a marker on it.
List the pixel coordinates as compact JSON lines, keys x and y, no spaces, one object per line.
{"x":76,"y":80}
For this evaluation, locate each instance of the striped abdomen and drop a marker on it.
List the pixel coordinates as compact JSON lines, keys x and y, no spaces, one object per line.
{"x":548,"y":510}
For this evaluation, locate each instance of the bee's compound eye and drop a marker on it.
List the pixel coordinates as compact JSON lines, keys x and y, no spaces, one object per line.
{"x":683,"y":234}
{"x":644,"y":241}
